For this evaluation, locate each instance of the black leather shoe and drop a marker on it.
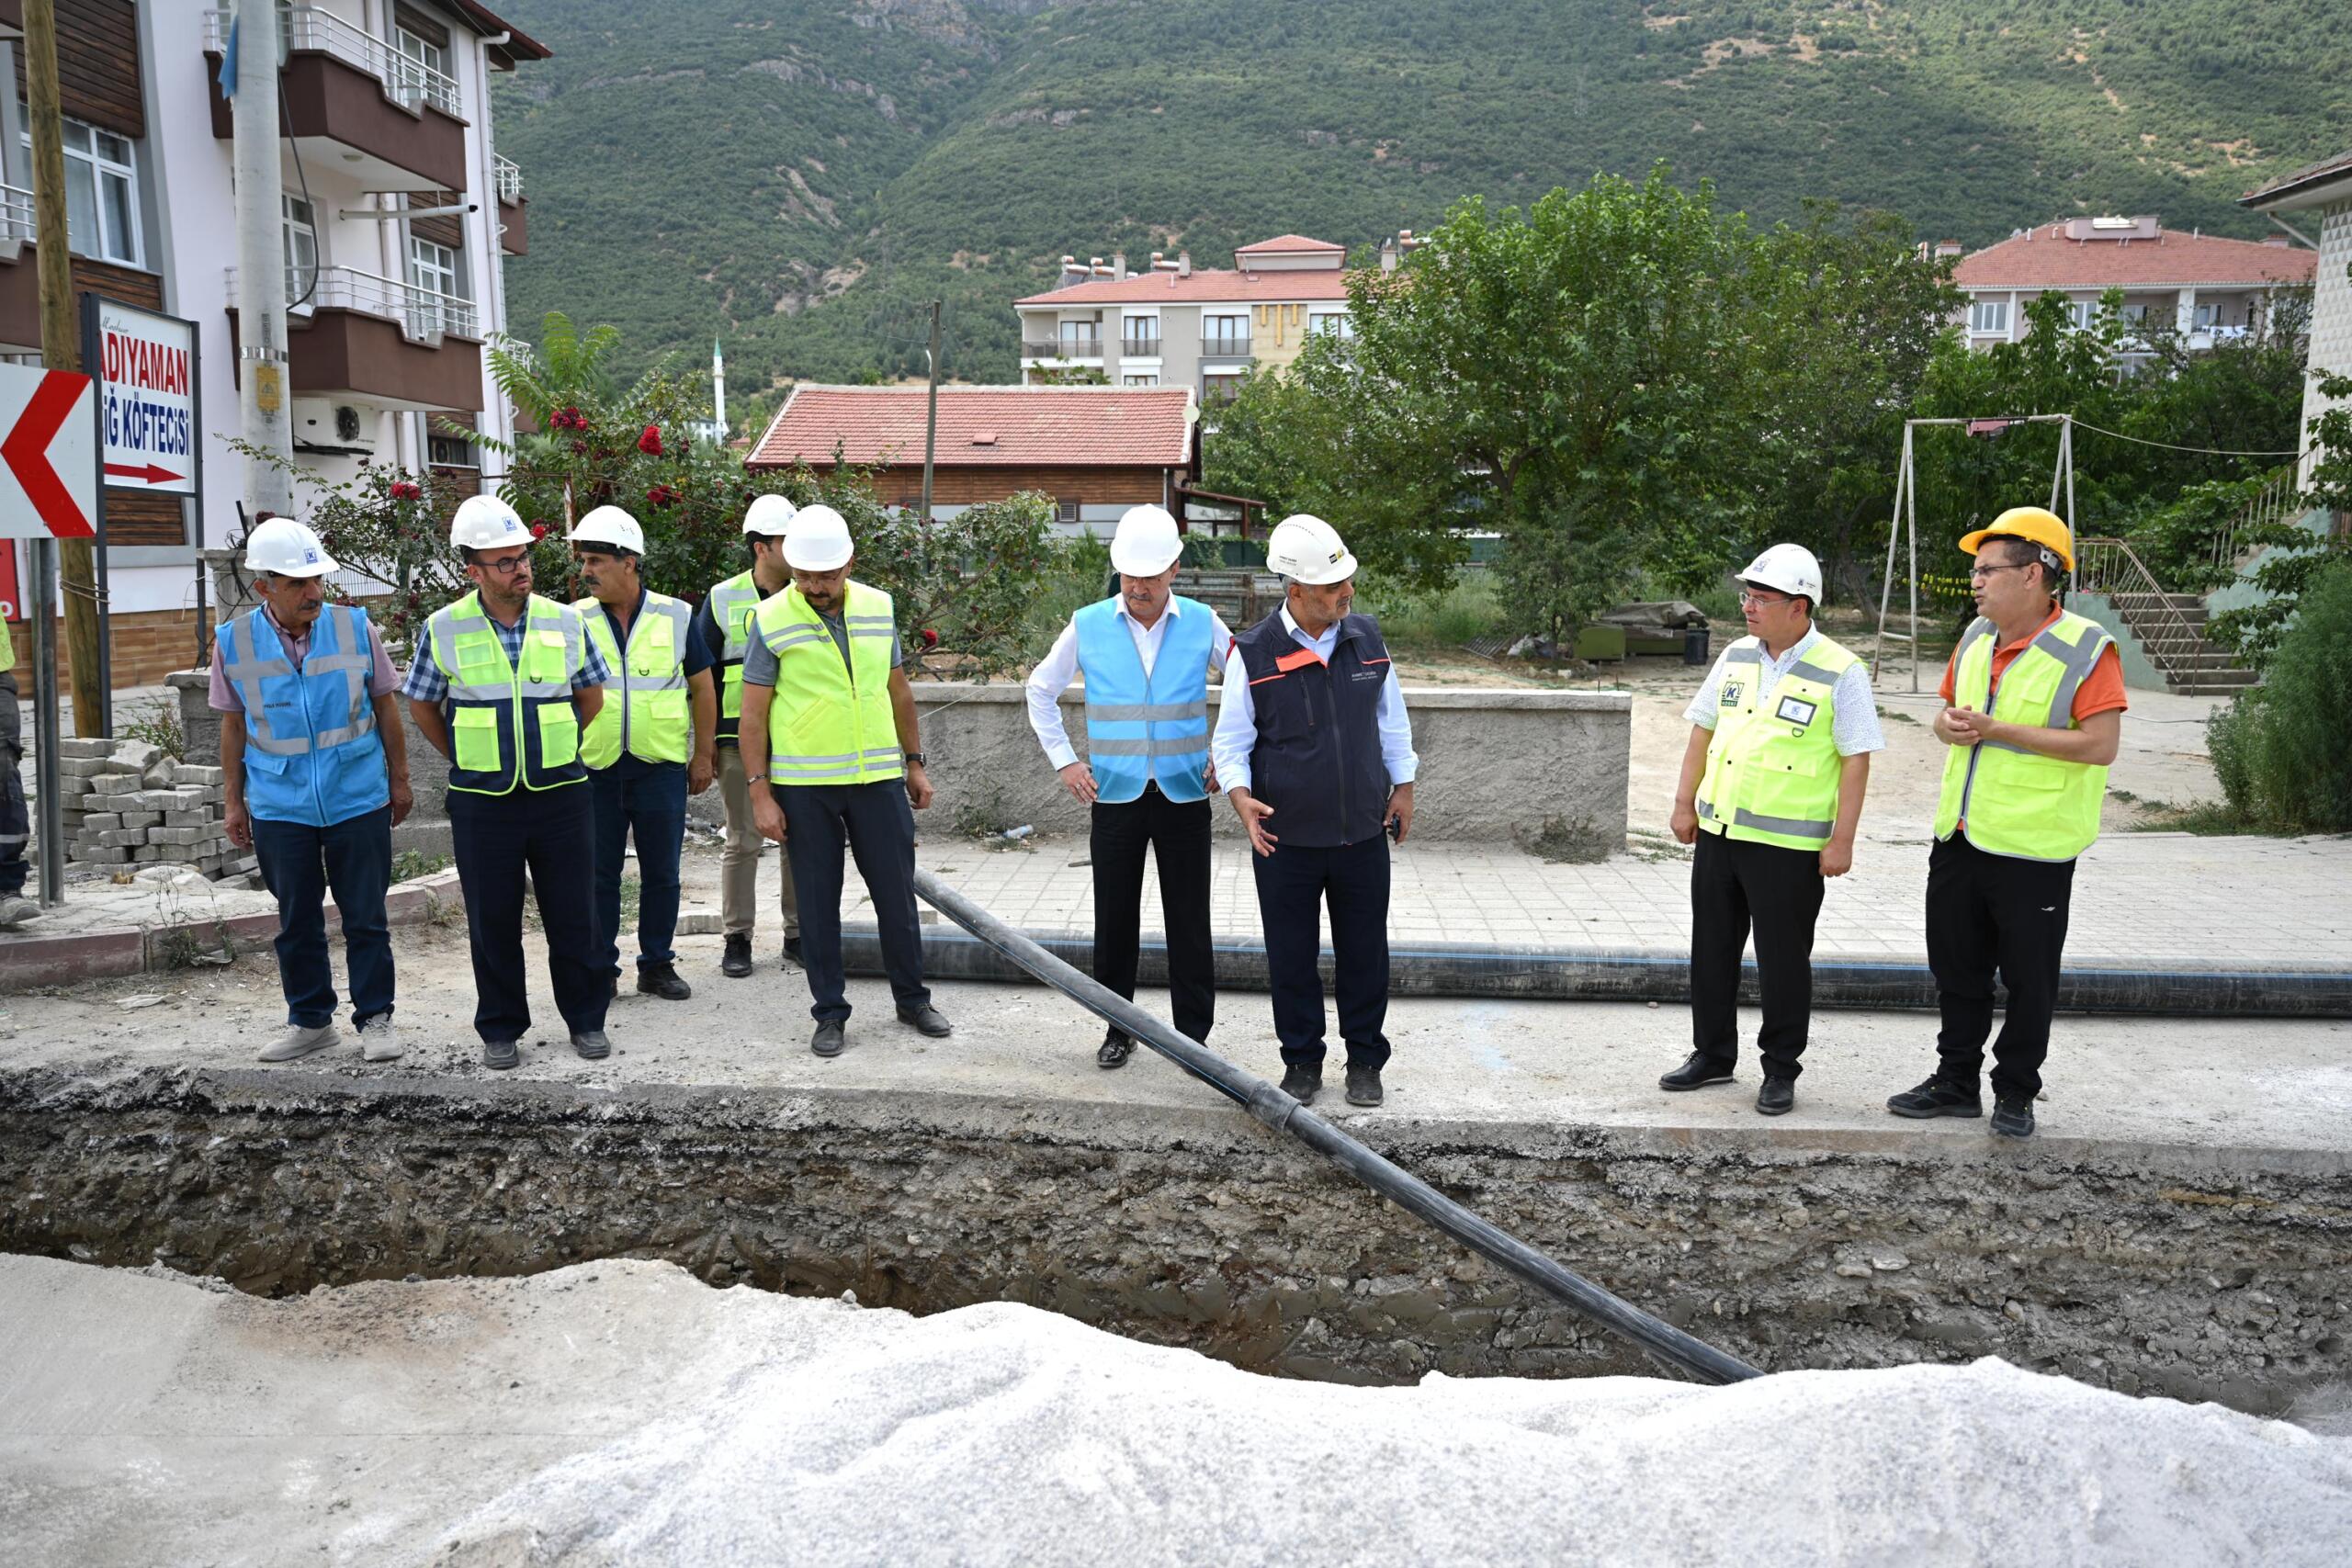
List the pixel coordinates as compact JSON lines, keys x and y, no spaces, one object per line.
{"x":1936,"y":1097}
{"x":1302,"y":1083}
{"x":501,"y":1054}
{"x":662,"y":980}
{"x":1115,"y":1050}
{"x":737,"y":961}
{"x":2013,"y":1117}
{"x":1363,"y":1085}
{"x":592,"y":1044}
{"x":927,"y":1019}
{"x":1776,"y":1096}
{"x":1700,"y":1070}
{"x":827,"y":1040}
{"x":791,"y":952}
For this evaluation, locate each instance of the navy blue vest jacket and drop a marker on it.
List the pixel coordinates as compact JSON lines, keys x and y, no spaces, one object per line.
{"x":1318,"y":757}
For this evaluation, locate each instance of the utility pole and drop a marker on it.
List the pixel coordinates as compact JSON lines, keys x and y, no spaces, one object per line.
{"x":261,"y":261}
{"x":930,"y":420}
{"x":71,"y":561}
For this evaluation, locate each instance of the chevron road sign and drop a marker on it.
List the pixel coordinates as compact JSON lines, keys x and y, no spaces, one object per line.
{"x":49,"y":454}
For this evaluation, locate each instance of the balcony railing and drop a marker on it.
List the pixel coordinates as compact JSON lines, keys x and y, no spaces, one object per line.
{"x":510,"y":177}
{"x":1063,"y":348}
{"x":314,"y":29}
{"x":1225,"y":347}
{"x":424,"y":315}
{"x":16,"y":214}
{"x":1139,"y":348}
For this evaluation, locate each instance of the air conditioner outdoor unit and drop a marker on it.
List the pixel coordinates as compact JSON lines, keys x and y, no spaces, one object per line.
{"x":321,"y":424}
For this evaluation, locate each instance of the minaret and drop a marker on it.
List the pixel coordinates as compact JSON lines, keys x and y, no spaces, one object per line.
{"x":718,"y":390}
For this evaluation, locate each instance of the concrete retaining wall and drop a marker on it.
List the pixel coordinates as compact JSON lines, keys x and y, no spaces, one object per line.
{"x":1494,"y":764}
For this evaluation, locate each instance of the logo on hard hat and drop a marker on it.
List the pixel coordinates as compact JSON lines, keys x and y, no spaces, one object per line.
{"x":309,"y":555}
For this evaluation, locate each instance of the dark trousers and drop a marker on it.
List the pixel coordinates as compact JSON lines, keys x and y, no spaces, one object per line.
{"x":299,"y":864}
{"x":16,"y":828}
{"x":880,"y":827}
{"x":1987,"y":912}
{"x":1295,"y":884}
{"x":1177,"y":833}
{"x":650,"y":804}
{"x":1737,"y":885}
{"x":550,"y":833}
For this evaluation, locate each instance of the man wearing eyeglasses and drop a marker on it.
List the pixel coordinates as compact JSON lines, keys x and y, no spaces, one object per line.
{"x":2036,"y":714}
{"x":504,"y":683}
{"x":1771,"y":794}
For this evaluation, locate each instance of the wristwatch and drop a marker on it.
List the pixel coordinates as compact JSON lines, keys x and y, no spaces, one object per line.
{"x":918,"y":757}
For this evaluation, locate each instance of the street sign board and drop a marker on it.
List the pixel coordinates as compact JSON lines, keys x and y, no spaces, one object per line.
{"x":48,"y":458}
{"x":146,"y":366}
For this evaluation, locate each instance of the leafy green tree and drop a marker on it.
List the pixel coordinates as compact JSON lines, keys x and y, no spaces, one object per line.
{"x":2281,"y":749}
{"x":2258,"y":631}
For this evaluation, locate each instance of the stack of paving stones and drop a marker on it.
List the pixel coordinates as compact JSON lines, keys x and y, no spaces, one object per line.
{"x":125,"y":803}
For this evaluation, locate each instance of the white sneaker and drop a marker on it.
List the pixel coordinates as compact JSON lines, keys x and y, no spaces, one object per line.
{"x":378,"y":1040}
{"x":300,"y":1042}
{"x":16,"y":912}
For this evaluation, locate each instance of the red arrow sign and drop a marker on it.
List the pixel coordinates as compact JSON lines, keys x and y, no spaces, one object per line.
{"x":152,"y":474}
{"x":26,"y":450}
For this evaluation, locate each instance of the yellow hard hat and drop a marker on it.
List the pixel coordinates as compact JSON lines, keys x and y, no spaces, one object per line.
{"x":2034,"y":524}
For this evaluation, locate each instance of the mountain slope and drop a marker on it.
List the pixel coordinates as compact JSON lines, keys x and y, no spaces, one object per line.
{"x":799,"y":175}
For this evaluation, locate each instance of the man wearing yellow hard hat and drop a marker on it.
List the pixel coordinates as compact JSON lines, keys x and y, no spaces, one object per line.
{"x":2034,"y":715}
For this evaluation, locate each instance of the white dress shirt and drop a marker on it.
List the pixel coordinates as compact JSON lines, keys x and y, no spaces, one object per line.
{"x":1237,"y":719}
{"x":1054,"y":673}
{"x":1853,"y":710}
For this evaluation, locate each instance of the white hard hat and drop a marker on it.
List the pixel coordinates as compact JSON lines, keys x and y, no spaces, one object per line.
{"x":1146,"y":543}
{"x":769,"y":514}
{"x":1306,"y":550}
{"x":817,"y":539}
{"x":610,"y":526}
{"x":284,"y":548}
{"x":486,"y":523}
{"x":1789,"y":568}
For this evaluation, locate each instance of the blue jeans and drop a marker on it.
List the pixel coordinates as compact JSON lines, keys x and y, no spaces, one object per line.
{"x":647,"y":802}
{"x":298,"y":863}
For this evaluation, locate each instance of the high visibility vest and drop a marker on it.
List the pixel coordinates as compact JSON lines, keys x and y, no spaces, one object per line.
{"x":1147,"y":727}
{"x":312,"y":754}
{"x":7,"y":649}
{"x":645,"y":702}
{"x":732,"y":604}
{"x":830,"y":723}
{"x":2015,"y":801}
{"x":1772,"y":767}
{"x":509,"y":726}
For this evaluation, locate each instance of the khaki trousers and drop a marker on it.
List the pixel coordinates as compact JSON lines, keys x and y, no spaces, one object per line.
{"x":740,"y":865}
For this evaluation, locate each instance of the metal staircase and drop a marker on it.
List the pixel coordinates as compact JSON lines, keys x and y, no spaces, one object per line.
{"x":2170,"y":627}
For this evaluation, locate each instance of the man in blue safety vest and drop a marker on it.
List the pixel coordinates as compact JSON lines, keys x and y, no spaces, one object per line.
{"x":1148,"y":654}
{"x":314,"y":776}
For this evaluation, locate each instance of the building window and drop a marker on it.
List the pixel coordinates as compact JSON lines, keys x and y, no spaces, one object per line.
{"x":298,"y":226}
{"x":433,"y":270}
{"x":1225,"y":336}
{"x":2081,"y":313}
{"x":1330,"y":323}
{"x":410,"y":73}
{"x":1989,"y":318}
{"x":1065,"y":511}
{"x":2205,"y":317}
{"x":1219,"y":388}
{"x":1139,"y":337}
{"x":1081,"y":340}
{"x":449,"y":451}
{"x":1140,"y":380}
{"x":101,"y":194}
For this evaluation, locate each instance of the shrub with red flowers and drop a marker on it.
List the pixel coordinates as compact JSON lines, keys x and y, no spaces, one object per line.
{"x":661,"y":495}
{"x":650,"y":442}
{"x":405,"y":490}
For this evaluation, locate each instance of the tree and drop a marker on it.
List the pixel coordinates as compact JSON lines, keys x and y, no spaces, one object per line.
{"x":2284,"y":574}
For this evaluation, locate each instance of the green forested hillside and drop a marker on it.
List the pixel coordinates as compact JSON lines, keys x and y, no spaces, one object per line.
{"x":797,"y":175}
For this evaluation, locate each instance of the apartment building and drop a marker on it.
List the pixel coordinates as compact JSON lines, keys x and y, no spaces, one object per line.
{"x":2316,"y":203}
{"x":386,"y":111}
{"x":1173,"y":324}
{"x":2210,"y":289}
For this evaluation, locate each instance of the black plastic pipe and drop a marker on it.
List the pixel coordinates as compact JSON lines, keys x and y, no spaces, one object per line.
{"x":1270,"y":1105}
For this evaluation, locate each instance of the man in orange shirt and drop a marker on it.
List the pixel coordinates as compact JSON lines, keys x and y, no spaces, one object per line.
{"x":2035,"y":715}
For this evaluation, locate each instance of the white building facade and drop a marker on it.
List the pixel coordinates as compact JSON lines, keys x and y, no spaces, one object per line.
{"x":2315,"y":204}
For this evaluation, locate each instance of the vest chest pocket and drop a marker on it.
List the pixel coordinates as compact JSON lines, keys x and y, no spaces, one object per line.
{"x":652,"y":653}
{"x":543,"y":656}
{"x":559,"y":733}
{"x":474,"y":733}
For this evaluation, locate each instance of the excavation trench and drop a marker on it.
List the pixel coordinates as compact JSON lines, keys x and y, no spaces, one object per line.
{"x":2192,"y":1272}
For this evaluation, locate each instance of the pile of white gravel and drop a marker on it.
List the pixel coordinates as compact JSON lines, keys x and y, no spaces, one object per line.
{"x":622,"y":1412}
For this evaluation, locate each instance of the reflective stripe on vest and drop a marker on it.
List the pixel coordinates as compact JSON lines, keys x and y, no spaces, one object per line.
{"x":732,"y":604}
{"x":2015,"y":801}
{"x":1772,"y":771}
{"x":645,"y":712}
{"x":312,"y":754}
{"x":1143,"y":727}
{"x":830,"y":722}
{"x":509,"y":725}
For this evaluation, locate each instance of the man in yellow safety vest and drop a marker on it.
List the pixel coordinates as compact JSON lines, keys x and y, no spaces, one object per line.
{"x":2036,"y":714}
{"x":1771,"y":794}
{"x":650,"y":746}
{"x":828,"y":712}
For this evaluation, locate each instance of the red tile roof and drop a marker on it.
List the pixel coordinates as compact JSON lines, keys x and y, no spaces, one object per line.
{"x":1292,"y":243}
{"x":2047,"y":259}
{"x":1202,"y":287}
{"x":984,"y":426}
{"x":2325,"y":171}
